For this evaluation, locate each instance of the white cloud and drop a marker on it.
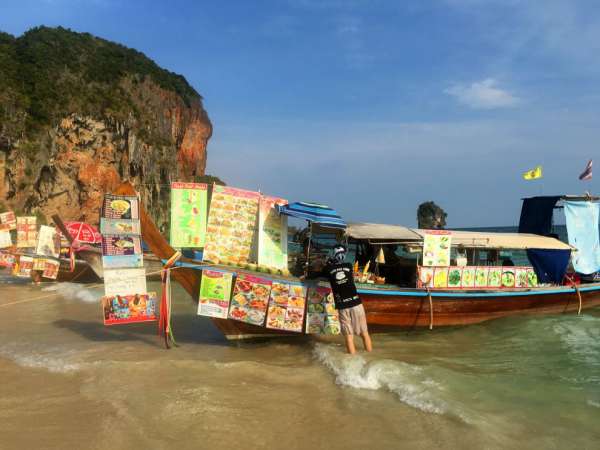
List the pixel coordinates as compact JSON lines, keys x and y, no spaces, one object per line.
{"x":483,"y":94}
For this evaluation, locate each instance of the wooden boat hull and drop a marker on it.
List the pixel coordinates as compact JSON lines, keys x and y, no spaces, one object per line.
{"x":404,"y":308}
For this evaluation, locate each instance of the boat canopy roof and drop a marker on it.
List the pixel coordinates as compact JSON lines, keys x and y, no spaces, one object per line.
{"x":376,"y":231}
{"x":477,"y":239}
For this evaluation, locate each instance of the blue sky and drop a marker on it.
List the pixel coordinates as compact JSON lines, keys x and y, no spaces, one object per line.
{"x":375,"y":106}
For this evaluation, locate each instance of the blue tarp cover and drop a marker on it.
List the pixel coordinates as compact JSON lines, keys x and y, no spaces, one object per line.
{"x":549,"y":265}
{"x":536,"y":215}
{"x":582,"y":227}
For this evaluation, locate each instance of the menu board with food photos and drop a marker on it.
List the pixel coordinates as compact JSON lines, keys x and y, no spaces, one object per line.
{"x":286,"y":306}
{"x":120,"y":309}
{"x":250,"y":299}
{"x":321,"y":315}
{"x":23,"y":267}
{"x":120,"y":207}
{"x":26,"y":232}
{"x":121,"y":245}
{"x":215,"y":294}
{"x":48,"y":242}
{"x":7,"y":260}
{"x":231,"y":226}
{"x":120,"y":226}
{"x":9,"y":220}
{"x":51,"y":268}
{"x":188,"y":214}
{"x":272,"y":234}
{"x":5,"y":239}
{"x":436,"y":248}
{"x":471,"y":277}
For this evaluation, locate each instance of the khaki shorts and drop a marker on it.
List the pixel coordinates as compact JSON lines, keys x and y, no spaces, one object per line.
{"x":353,"y":320}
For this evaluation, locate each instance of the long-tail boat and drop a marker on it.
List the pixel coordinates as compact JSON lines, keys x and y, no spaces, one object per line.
{"x":392,"y":307}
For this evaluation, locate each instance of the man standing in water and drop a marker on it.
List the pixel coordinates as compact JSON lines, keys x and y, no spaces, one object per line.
{"x":352,"y":312}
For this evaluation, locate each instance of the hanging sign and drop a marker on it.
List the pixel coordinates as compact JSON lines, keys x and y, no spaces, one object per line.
{"x":51,"y":269}
{"x":436,"y":248}
{"x":250,"y":299}
{"x":5,"y":239}
{"x":124,"y":281}
{"x":231,"y":226}
{"x":23,"y":267}
{"x":215,"y":294}
{"x":120,"y":309}
{"x":7,"y":260}
{"x":117,"y":245}
{"x":188,"y":214}
{"x":8,"y":218}
{"x":120,"y":207}
{"x":39,"y":263}
{"x":471,"y":277}
{"x":26,"y":232}
{"x":321,"y":316}
{"x":272,"y":234}
{"x":286,"y":307}
{"x":48,"y":242}
{"x":120,"y":226}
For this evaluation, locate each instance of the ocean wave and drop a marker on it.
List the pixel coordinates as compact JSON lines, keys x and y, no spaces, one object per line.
{"x":48,"y":360}
{"x":595,"y":404}
{"x":409,"y":382}
{"x":73,"y":291}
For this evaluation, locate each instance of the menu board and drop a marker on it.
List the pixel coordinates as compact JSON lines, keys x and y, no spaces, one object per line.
{"x":436,"y":248}
{"x":120,"y":207}
{"x":286,"y":307}
{"x":215,"y":294}
{"x":250,"y":299}
{"x":48,"y":242}
{"x":122,"y":261}
{"x":471,"y":277}
{"x":272,"y":234}
{"x":7,"y":260}
{"x":120,"y":309}
{"x":51,"y":269}
{"x":39,"y":263}
{"x":5,"y":239}
{"x":124,"y":281}
{"x":118,"y":245}
{"x":24,"y":267}
{"x":231,"y":226}
{"x":8,"y":218}
{"x":321,"y":316}
{"x":26,"y":232}
{"x":120,"y":226}
{"x":188,"y":214}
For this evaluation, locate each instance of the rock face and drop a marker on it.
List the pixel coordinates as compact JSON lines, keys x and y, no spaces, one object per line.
{"x":143,"y":124}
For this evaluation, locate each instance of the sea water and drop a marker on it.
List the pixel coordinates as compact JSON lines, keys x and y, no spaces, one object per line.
{"x":67,"y":381}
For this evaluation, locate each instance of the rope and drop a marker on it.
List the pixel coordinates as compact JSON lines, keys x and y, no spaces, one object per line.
{"x":576,"y":287}
{"x":430,"y":309}
{"x":164,"y":323}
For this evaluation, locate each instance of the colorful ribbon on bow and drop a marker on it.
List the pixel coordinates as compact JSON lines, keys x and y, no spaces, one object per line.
{"x":164,"y":323}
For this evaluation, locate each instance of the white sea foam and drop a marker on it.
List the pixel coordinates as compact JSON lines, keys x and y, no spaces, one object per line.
{"x":407,"y":381}
{"x":73,"y":291}
{"x":38,"y":360}
{"x":593,"y":403}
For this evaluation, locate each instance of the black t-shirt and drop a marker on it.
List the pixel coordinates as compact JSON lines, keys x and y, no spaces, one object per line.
{"x":342,"y":284}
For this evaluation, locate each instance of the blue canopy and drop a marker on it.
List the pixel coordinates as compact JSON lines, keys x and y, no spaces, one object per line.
{"x":313,"y":212}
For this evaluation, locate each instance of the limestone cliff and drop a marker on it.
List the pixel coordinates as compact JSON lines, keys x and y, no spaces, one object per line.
{"x":78,"y":114}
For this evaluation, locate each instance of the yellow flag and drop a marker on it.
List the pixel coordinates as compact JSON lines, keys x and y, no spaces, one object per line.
{"x":533,"y":174}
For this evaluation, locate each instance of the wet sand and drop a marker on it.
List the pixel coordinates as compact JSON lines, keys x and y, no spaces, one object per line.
{"x":67,"y":381}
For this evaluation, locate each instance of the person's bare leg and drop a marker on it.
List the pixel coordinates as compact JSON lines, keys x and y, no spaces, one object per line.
{"x":350,"y":344}
{"x":367,"y":341}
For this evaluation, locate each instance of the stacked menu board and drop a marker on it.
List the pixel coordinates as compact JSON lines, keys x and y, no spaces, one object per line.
{"x":272,"y":234}
{"x":436,"y":248}
{"x":9,"y":220}
{"x":231,"y":226}
{"x":215,"y":294}
{"x":126,"y":299}
{"x":188,"y":215}
{"x":286,"y":306}
{"x":321,"y":316}
{"x":250,"y":299}
{"x":26,"y":232}
{"x":481,"y":277}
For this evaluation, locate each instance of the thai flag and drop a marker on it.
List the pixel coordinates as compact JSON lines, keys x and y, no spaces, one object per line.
{"x":587,"y":173}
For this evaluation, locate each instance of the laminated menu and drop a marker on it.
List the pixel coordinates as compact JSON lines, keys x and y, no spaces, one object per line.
{"x":120,"y":309}
{"x":215,"y":293}
{"x":286,"y":306}
{"x":23,"y":267}
{"x":5,"y":239}
{"x":231,"y":226}
{"x":440,"y":277}
{"x":48,"y":242}
{"x":26,"y":232}
{"x":51,"y":268}
{"x":426,"y":277}
{"x":124,"y":281}
{"x":8,"y":218}
{"x":436,"y":248}
{"x":120,"y":207}
{"x":188,"y":214}
{"x":7,"y":260}
{"x":321,"y":315}
{"x":39,"y":263}
{"x":272,"y":234}
{"x":481,"y":277}
{"x":250,"y":299}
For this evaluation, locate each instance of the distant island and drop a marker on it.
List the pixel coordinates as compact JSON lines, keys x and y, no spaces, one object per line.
{"x":79,"y":114}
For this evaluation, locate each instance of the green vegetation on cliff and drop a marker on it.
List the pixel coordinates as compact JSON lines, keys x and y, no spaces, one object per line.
{"x":48,"y":73}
